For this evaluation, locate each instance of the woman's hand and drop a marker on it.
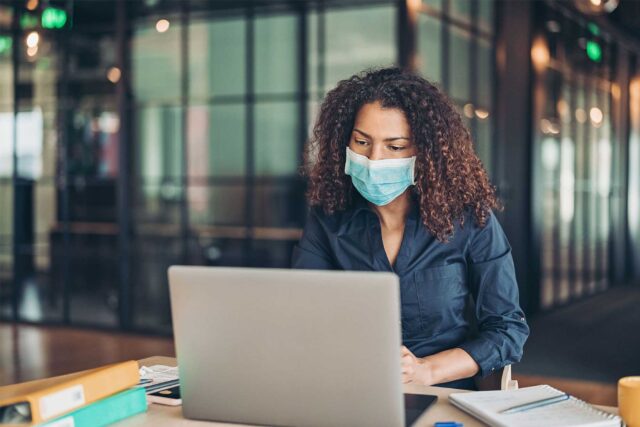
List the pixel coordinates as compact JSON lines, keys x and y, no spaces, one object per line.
{"x":414,"y":369}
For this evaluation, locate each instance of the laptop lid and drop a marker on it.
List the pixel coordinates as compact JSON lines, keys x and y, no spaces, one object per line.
{"x":288,"y":347}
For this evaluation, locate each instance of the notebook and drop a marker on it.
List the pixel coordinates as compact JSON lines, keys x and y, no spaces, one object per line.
{"x":486,"y":406}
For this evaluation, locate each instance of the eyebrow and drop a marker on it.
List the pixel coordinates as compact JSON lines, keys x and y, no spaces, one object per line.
{"x":393,"y":138}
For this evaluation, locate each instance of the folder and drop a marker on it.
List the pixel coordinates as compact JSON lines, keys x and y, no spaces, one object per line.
{"x":106,"y":411}
{"x":42,"y":400}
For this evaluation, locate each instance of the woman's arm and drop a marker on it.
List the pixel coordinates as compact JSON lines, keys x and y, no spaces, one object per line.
{"x":502,"y":328}
{"x":448,"y":365}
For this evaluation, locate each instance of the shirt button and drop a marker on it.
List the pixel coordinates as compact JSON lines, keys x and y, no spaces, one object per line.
{"x":493,"y":369}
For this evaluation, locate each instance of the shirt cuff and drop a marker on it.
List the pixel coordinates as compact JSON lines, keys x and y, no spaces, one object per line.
{"x":484,"y":353}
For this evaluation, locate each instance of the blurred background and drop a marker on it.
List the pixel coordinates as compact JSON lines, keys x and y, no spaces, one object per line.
{"x":137,"y":134}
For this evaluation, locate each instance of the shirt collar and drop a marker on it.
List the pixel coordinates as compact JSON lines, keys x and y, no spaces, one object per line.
{"x":359,"y":204}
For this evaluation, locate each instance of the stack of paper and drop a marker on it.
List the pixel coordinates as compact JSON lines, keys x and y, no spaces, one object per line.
{"x":158,"y":377}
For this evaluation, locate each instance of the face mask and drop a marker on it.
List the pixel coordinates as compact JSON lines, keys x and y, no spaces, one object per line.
{"x":380,"y":181}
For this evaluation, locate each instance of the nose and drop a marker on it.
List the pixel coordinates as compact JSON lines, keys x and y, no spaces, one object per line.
{"x":376,"y":152}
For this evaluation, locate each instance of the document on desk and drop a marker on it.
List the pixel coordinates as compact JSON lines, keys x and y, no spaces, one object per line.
{"x":487,"y":405}
{"x":158,"y":377}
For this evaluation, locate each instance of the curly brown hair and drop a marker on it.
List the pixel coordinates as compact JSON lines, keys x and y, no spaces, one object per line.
{"x":450,"y":178}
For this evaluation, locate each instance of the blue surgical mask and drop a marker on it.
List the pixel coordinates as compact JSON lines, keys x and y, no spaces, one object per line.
{"x":380,"y":181}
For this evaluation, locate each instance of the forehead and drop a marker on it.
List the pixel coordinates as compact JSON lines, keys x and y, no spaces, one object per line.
{"x":375,"y":120}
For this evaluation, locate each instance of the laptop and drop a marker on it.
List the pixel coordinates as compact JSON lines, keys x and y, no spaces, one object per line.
{"x":290,"y":347}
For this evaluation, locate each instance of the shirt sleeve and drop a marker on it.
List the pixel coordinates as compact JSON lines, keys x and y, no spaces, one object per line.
{"x":313,"y":250}
{"x":502,"y":328}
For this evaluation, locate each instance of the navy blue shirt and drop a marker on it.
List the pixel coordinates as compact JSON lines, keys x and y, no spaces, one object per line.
{"x":436,"y":281}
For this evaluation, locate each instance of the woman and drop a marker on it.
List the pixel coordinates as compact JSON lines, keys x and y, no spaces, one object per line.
{"x":396,"y":186}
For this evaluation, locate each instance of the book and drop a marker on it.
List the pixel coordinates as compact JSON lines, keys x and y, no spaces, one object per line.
{"x":37,"y":401}
{"x":105,"y":411}
{"x":487,"y":405}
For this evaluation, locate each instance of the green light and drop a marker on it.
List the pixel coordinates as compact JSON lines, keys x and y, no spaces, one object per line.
{"x":5,"y":44}
{"x":593,"y":28}
{"x":594,"y":52}
{"x":53,"y":18}
{"x":28,"y":21}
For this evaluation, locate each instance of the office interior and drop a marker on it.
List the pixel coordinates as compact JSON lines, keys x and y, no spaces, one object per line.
{"x":139,"y":134}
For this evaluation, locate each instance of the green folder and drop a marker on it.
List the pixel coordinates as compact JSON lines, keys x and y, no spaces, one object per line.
{"x":106,"y":411}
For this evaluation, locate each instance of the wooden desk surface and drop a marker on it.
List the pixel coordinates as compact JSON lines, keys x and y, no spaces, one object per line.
{"x":442,"y":410}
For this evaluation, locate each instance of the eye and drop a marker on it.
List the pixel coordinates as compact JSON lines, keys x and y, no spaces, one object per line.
{"x":395,"y":148}
{"x":361,"y":142}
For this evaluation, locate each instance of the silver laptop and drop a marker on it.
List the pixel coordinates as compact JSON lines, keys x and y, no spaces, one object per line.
{"x":288,"y":347}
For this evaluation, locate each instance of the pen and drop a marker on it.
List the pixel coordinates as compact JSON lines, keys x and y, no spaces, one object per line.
{"x":447,"y":424}
{"x":536,"y":404}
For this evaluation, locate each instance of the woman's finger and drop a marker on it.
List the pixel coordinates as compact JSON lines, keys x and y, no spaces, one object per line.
{"x":407,"y":361}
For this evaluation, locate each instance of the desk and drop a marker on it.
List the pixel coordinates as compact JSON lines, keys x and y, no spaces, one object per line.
{"x":166,"y":416}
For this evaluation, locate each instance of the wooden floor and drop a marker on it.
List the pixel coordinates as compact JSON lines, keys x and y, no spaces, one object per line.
{"x":32,"y":352}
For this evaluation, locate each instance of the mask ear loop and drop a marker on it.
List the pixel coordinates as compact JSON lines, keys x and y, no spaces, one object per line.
{"x":413,"y":170}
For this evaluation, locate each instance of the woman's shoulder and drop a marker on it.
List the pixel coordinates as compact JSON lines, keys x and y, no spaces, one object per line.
{"x":470,"y":221}
{"x":330,"y":221}
{"x":468,"y":227}
{"x":484,"y":240}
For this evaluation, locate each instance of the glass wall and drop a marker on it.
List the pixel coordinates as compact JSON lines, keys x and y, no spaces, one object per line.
{"x":158,"y":159}
{"x":172,"y":133}
{"x":231,"y":105}
{"x":456,"y":42}
{"x":62,"y":188}
{"x":574,"y":151}
{"x":633,"y":201}
{"x":6,"y":159}
{"x":215,"y":102}
{"x":27,"y":165}
{"x":35,"y":178}
{"x":354,"y":39}
{"x":92,"y":169}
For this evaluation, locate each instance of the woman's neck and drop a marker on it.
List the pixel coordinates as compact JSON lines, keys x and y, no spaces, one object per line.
{"x":393,"y":215}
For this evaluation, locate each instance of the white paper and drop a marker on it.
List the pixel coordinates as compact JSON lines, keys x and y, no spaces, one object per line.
{"x":158,"y":374}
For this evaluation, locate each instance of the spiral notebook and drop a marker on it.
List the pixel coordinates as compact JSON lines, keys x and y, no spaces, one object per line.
{"x":486,"y":405}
